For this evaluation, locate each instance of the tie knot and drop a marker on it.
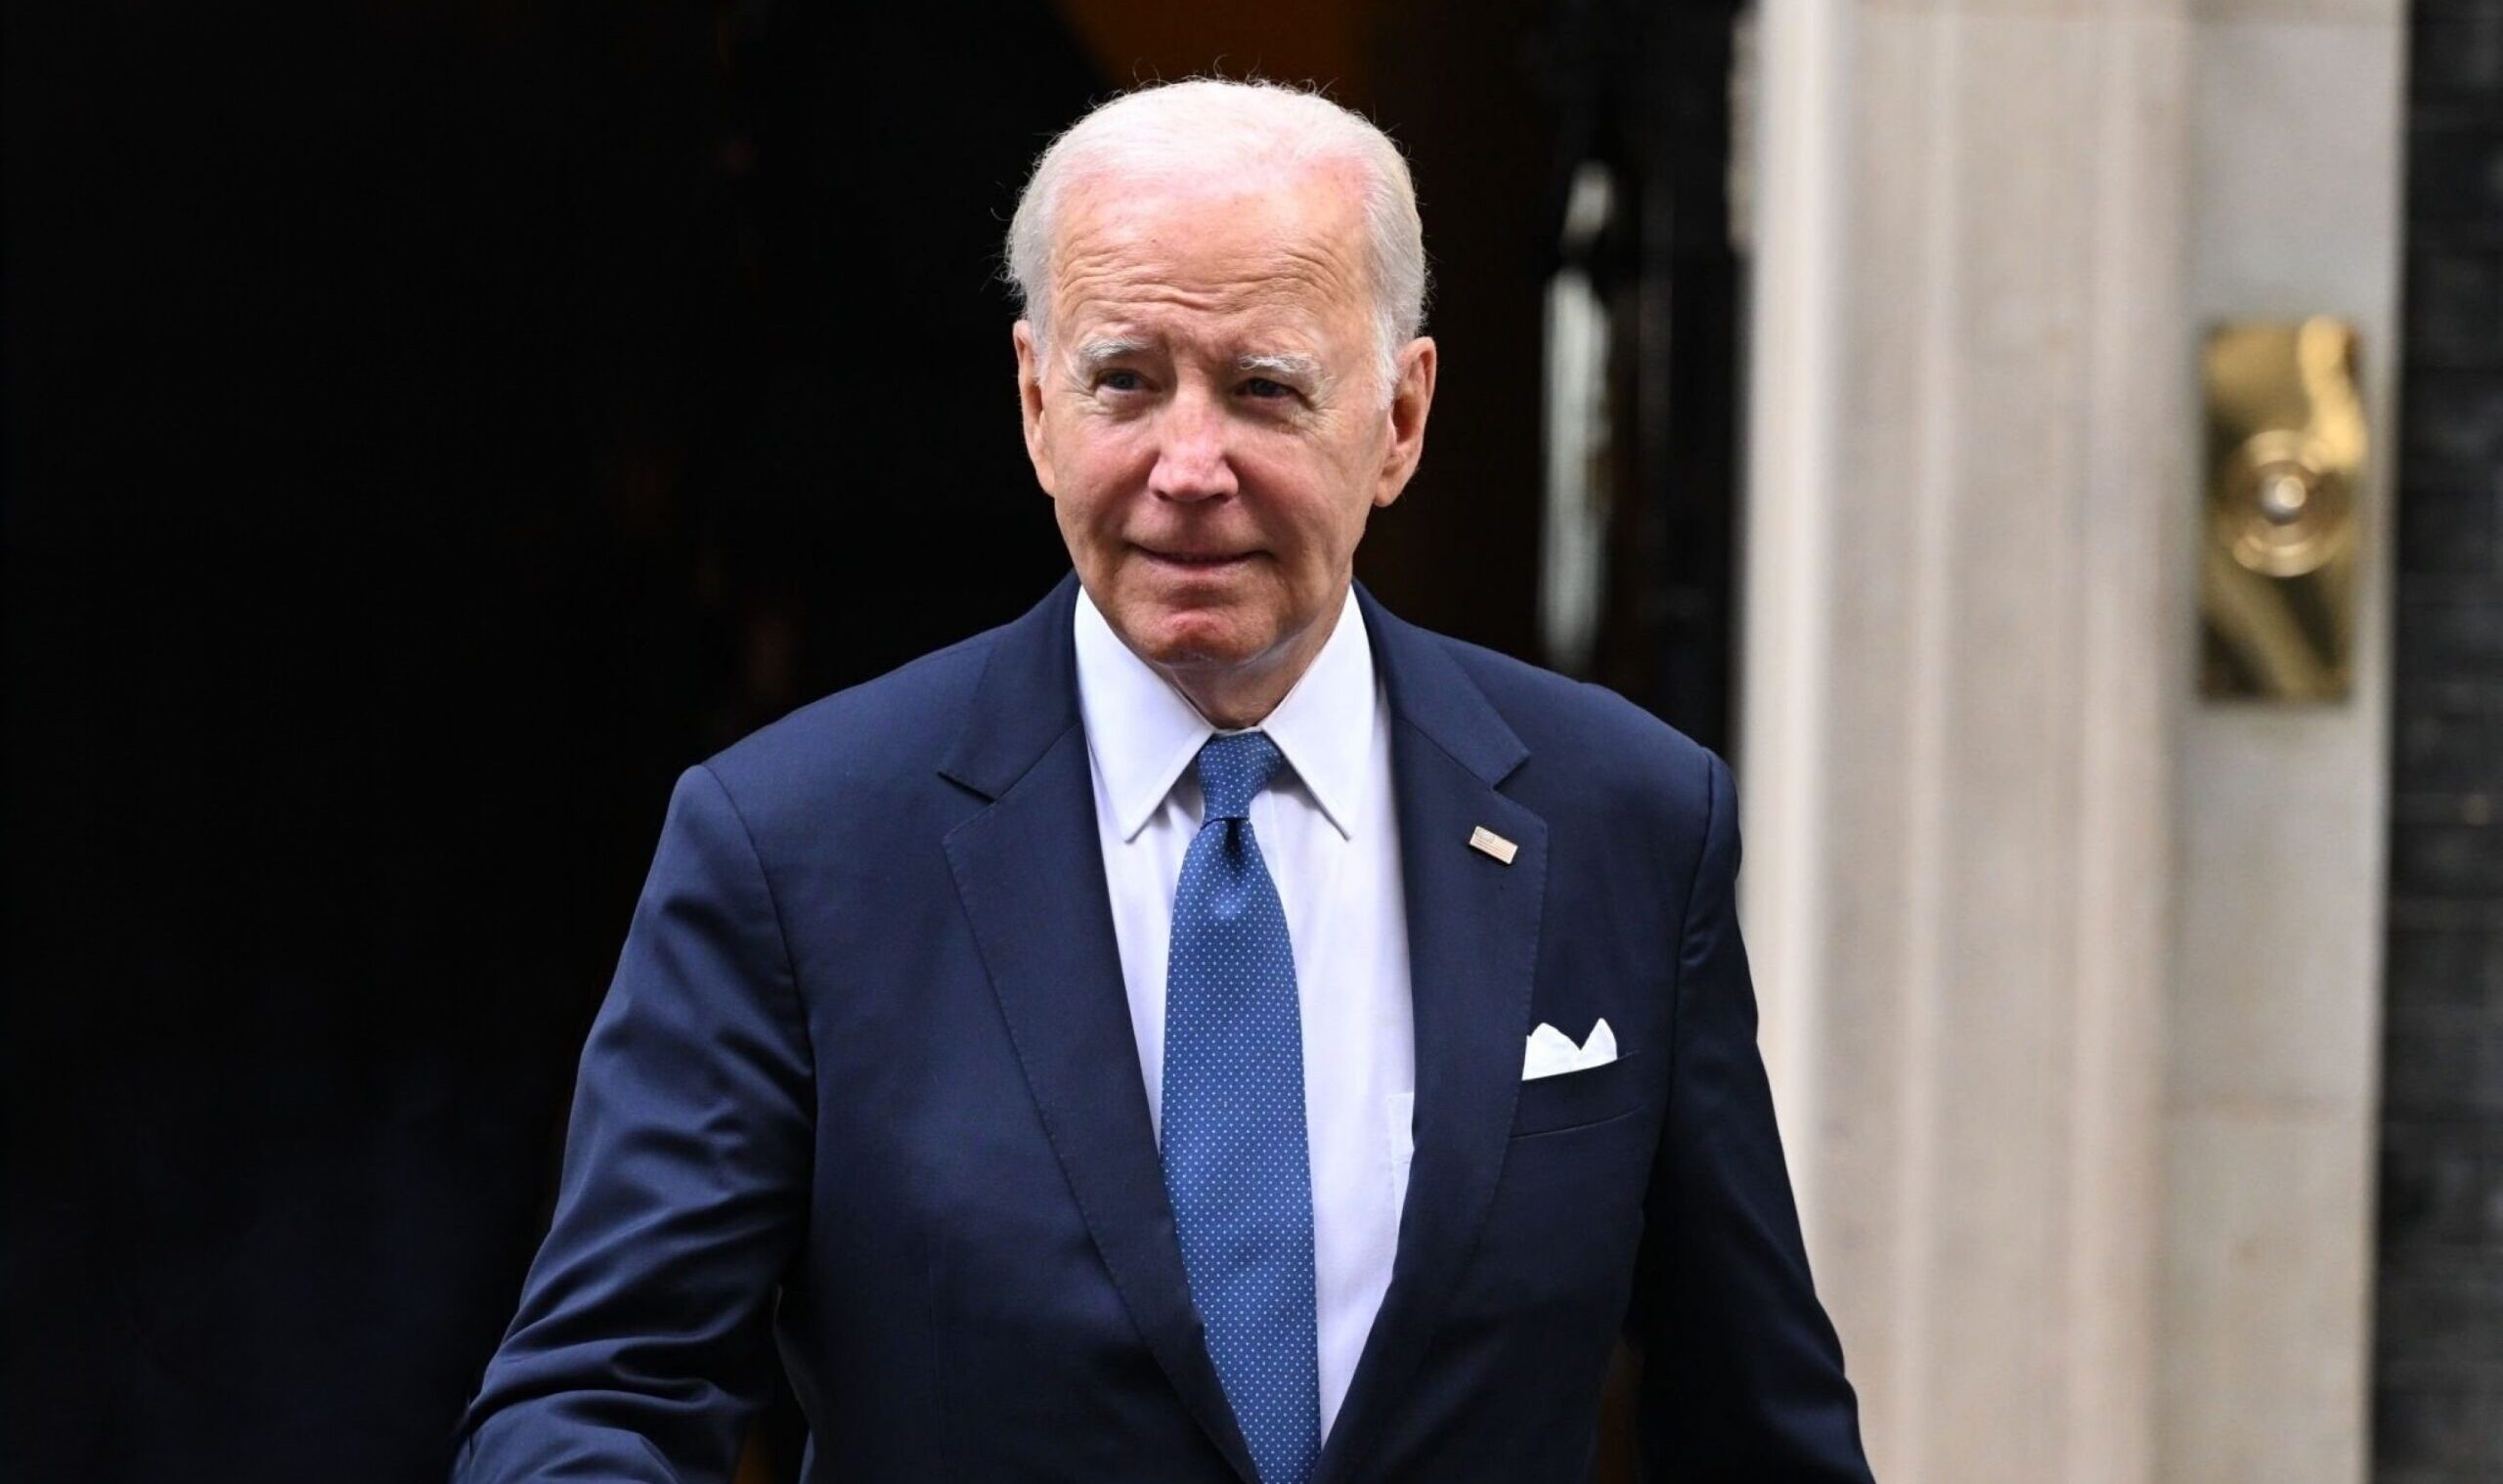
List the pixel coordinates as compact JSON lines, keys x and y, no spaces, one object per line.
{"x":1232,"y":768}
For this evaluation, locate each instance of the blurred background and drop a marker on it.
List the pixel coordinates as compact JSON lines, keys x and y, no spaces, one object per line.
{"x":430,"y":427}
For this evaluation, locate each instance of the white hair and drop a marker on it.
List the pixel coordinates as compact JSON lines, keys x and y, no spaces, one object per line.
{"x":1208,"y":124}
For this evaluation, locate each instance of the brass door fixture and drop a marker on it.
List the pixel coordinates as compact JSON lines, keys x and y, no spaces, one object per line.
{"x":2286,"y":444}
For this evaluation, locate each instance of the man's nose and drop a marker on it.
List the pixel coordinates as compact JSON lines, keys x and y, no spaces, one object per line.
{"x":1192,"y":456}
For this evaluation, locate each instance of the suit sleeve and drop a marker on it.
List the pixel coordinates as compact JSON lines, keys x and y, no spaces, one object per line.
{"x":1742,"y":1376}
{"x":642,"y":1347}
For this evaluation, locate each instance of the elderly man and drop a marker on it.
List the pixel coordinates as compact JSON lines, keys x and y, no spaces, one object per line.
{"x":1208,"y":1029}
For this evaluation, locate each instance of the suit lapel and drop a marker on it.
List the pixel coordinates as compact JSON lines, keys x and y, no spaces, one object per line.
{"x":1030,"y":874}
{"x":1473,"y":942}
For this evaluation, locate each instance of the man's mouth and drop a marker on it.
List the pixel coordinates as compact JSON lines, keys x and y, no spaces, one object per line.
{"x":1197,"y":561}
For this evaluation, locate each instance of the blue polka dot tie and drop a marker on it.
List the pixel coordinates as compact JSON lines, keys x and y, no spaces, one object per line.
{"x":1235,"y":1164}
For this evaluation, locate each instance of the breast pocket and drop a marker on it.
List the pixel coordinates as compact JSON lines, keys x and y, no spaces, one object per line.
{"x":1575,"y":1099}
{"x":1555,"y":1259}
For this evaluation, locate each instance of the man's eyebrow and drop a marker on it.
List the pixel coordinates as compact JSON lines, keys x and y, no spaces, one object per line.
{"x":1095,"y":353}
{"x":1286,"y":368}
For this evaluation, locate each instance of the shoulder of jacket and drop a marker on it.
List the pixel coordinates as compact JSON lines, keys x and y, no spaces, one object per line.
{"x":1583,"y":725}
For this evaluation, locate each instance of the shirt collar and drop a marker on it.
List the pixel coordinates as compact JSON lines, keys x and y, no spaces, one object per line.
{"x":1143,"y":733}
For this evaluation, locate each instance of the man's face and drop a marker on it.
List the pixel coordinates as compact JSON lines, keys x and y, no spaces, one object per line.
{"x":1208,"y":418}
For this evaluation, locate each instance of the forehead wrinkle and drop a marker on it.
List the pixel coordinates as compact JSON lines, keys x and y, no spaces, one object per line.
{"x":1162,"y":320}
{"x":1175,"y":283}
{"x":1119,"y":262}
{"x":1120,"y":285}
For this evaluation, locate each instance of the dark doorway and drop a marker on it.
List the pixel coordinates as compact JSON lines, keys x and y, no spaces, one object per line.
{"x":428,"y":428}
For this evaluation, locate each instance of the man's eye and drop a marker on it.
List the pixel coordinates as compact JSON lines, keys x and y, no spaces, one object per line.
{"x":1121,"y":382}
{"x":1263,"y":387}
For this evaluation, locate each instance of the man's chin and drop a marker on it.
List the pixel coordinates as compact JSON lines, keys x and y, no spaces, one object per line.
{"x":1198,"y":638}
{"x":1195,"y":648}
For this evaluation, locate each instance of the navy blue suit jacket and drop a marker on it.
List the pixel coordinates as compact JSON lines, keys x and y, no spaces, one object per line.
{"x":864,"y":1091}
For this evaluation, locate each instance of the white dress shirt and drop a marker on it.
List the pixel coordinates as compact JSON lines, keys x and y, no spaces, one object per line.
{"x":1328,"y":830}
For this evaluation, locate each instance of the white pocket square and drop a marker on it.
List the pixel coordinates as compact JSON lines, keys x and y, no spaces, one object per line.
{"x":1551,"y":1052}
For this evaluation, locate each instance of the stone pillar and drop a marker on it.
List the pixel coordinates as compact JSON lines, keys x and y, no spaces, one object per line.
{"x":2009,"y":885}
{"x":1964,"y":661}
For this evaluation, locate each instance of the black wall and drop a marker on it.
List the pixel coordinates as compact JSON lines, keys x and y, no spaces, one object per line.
{"x":2439,"y":1327}
{"x":428,"y":428}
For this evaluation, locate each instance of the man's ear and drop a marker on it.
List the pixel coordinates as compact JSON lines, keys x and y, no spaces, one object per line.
{"x":1411,"y":399}
{"x":1030,"y":400}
